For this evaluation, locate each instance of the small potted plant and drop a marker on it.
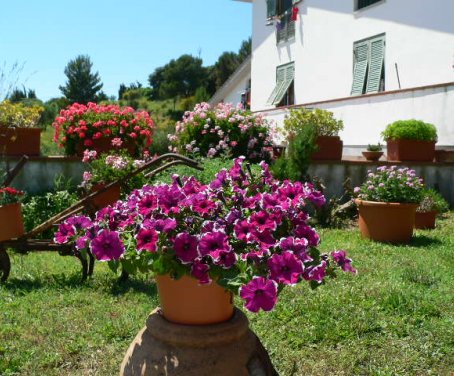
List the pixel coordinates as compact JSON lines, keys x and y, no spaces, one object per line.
{"x":432,"y":204}
{"x":105,"y":169}
{"x":244,"y":233}
{"x":19,"y":131}
{"x":410,"y":140}
{"x":328,"y":145}
{"x":102,"y":128}
{"x":11,"y":221}
{"x":387,"y":202}
{"x":373,"y":152}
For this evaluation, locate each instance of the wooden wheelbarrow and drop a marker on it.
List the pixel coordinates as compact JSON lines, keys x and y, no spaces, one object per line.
{"x":28,"y":243}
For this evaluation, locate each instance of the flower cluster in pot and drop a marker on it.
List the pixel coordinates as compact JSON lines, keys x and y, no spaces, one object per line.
{"x":10,"y":195}
{"x":222,"y":130}
{"x":391,"y":184}
{"x":17,"y":115}
{"x":84,"y":124}
{"x":248,"y":233}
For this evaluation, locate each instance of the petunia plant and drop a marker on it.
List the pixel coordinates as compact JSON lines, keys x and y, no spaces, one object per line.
{"x":247,"y":232}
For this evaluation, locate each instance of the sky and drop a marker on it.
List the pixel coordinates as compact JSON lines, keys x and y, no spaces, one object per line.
{"x":126,"y":40}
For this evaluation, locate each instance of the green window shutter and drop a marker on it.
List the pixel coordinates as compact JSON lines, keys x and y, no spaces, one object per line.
{"x":280,"y":79}
{"x":289,"y":70}
{"x":271,"y":8}
{"x":295,"y":1}
{"x":376,"y":62}
{"x":290,"y":29}
{"x":361,"y":57}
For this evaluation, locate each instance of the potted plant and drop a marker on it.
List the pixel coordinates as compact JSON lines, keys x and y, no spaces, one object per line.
{"x":244,"y":233}
{"x":327,"y":141}
{"x":373,"y":152}
{"x":410,"y":140}
{"x":19,"y":131}
{"x":387,"y":202}
{"x":432,"y":203}
{"x":102,"y":128}
{"x":11,"y":221}
{"x":105,"y":169}
{"x":222,"y":130}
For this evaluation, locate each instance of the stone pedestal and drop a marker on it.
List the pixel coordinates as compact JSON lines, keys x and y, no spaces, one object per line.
{"x":168,"y":349}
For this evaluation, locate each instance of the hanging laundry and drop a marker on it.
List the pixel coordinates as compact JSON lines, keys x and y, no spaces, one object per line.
{"x":294,"y":15}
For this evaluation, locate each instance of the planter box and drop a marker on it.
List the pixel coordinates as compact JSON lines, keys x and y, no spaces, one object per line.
{"x":411,"y":150}
{"x":329,"y":148}
{"x":20,"y":141}
{"x":11,"y":222}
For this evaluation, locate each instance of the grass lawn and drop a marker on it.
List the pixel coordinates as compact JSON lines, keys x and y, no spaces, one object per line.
{"x":396,"y":317}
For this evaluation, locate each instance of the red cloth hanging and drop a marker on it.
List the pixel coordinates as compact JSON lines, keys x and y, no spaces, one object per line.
{"x":294,"y":15}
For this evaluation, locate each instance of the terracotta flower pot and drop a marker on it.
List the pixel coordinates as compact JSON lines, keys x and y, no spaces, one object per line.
{"x":444,"y":156}
{"x":386,"y":222}
{"x":372,"y":155}
{"x":11,"y":222}
{"x":425,"y":220}
{"x":184,"y":301}
{"x":20,"y":141}
{"x":410,"y":150}
{"x":104,"y":145}
{"x":106,"y":198}
{"x":329,"y":148}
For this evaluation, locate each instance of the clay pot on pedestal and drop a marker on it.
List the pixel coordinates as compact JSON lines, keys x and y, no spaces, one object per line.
{"x":372,"y":155}
{"x":16,"y":142}
{"x":410,"y":150}
{"x":386,"y":222}
{"x":329,"y":148}
{"x":185,"y":301}
{"x":106,"y":198}
{"x":425,"y":220}
{"x":11,"y":221}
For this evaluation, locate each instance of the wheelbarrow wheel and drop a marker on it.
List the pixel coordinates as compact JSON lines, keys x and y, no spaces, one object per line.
{"x":5,"y":265}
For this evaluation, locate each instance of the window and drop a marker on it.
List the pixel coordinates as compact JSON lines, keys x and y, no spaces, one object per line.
{"x":283,"y":93}
{"x":282,"y":10}
{"x":368,"y":66}
{"x":365,"y":3}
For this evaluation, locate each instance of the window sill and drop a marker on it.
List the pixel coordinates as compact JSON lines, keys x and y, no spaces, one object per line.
{"x":359,"y":11}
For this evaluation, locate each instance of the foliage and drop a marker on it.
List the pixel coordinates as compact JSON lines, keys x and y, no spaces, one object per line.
{"x":80,"y":123}
{"x":410,"y":130}
{"x":18,"y":95}
{"x":391,"y":184}
{"x":247,"y":232}
{"x":323,"y":121}
{"x":227,"y":63}
{"x":222,"y":130}
{"x":10,"y":195}
{"x":17,"y":115}
{"x":83,"y":86}
{"x":432,"y":201}
{"x":374,"y":147}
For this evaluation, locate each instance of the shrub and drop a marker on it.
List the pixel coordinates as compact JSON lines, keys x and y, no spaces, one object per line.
{"x":322,"y":120}
{"x":18,"y":115}
{"x":80,"y":123}
{"x":374,"y":147}
{"x":222,"y":130}
{"x":410,"y":130}
{"x":432,"y":201}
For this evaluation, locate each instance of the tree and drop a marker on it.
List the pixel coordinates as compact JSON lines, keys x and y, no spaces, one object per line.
{"x":18,"y":95}
{"x":245,"y":50}
{"x":82,"y":86}
{"x":227,"y":63}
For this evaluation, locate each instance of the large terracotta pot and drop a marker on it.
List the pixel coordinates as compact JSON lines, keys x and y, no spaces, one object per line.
{"x":425,"y":220}
{"x":11,"y":222}
{"x":106,"y":198}
{"x":20,"y":141}
{"x":385,"y":221}
{"x":410,"y":150}
{"x":329,"y":148}
{"x":184,"y":301}
{"x":104,"y":145}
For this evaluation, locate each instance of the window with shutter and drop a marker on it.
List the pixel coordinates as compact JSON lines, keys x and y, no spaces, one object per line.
{"x":271,"y":8}
{"x":368,"y":66}
{"x":365,"y":3}
{"x":282,"y":93}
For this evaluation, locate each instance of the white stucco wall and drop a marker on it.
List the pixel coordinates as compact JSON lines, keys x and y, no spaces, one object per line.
{"x":233,"y":95}
{"x":419,"y":38}
{"x":366,"y":117}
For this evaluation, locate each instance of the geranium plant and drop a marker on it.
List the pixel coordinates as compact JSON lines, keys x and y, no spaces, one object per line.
{"x":391,"y":184}
{"x":84,"y":124}
{"x":222,"y":130}
{"x":432,"y":201}
{"x":248,"y":233}
{"x":9,"y":195}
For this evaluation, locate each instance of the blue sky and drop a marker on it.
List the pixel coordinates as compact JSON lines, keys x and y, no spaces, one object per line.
{"x":126,"y":40}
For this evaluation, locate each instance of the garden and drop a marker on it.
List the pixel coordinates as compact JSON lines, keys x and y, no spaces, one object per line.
{"x":341,"y":286}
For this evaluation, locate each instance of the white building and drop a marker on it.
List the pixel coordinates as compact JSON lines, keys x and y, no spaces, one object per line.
{"x":371,"y":62}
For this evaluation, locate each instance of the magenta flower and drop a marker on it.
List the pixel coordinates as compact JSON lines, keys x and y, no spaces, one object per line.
{"x":259,"y":293}
{"x":185,"y":246}
{"x":226,"y":259}
{"x":165,"y":225}
{"x":200,"y":272}
{"x":80,"y":222}
{"x":262,"y":221}
{"x":147,"y":239}
{"x":107,"y":246}
{"x":203,"y":206}
{"x":264,"y":239}
{"x":243,"y":230}
{"x":307,"y":232}
{"x":64,"y":233}
{"x":340,"y":258}
{"x":285,"y":268}
{"x":212,"y":243}
{"x":147,"y":204}
{"x":315,"y":273}
{"x":298,"y":246}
